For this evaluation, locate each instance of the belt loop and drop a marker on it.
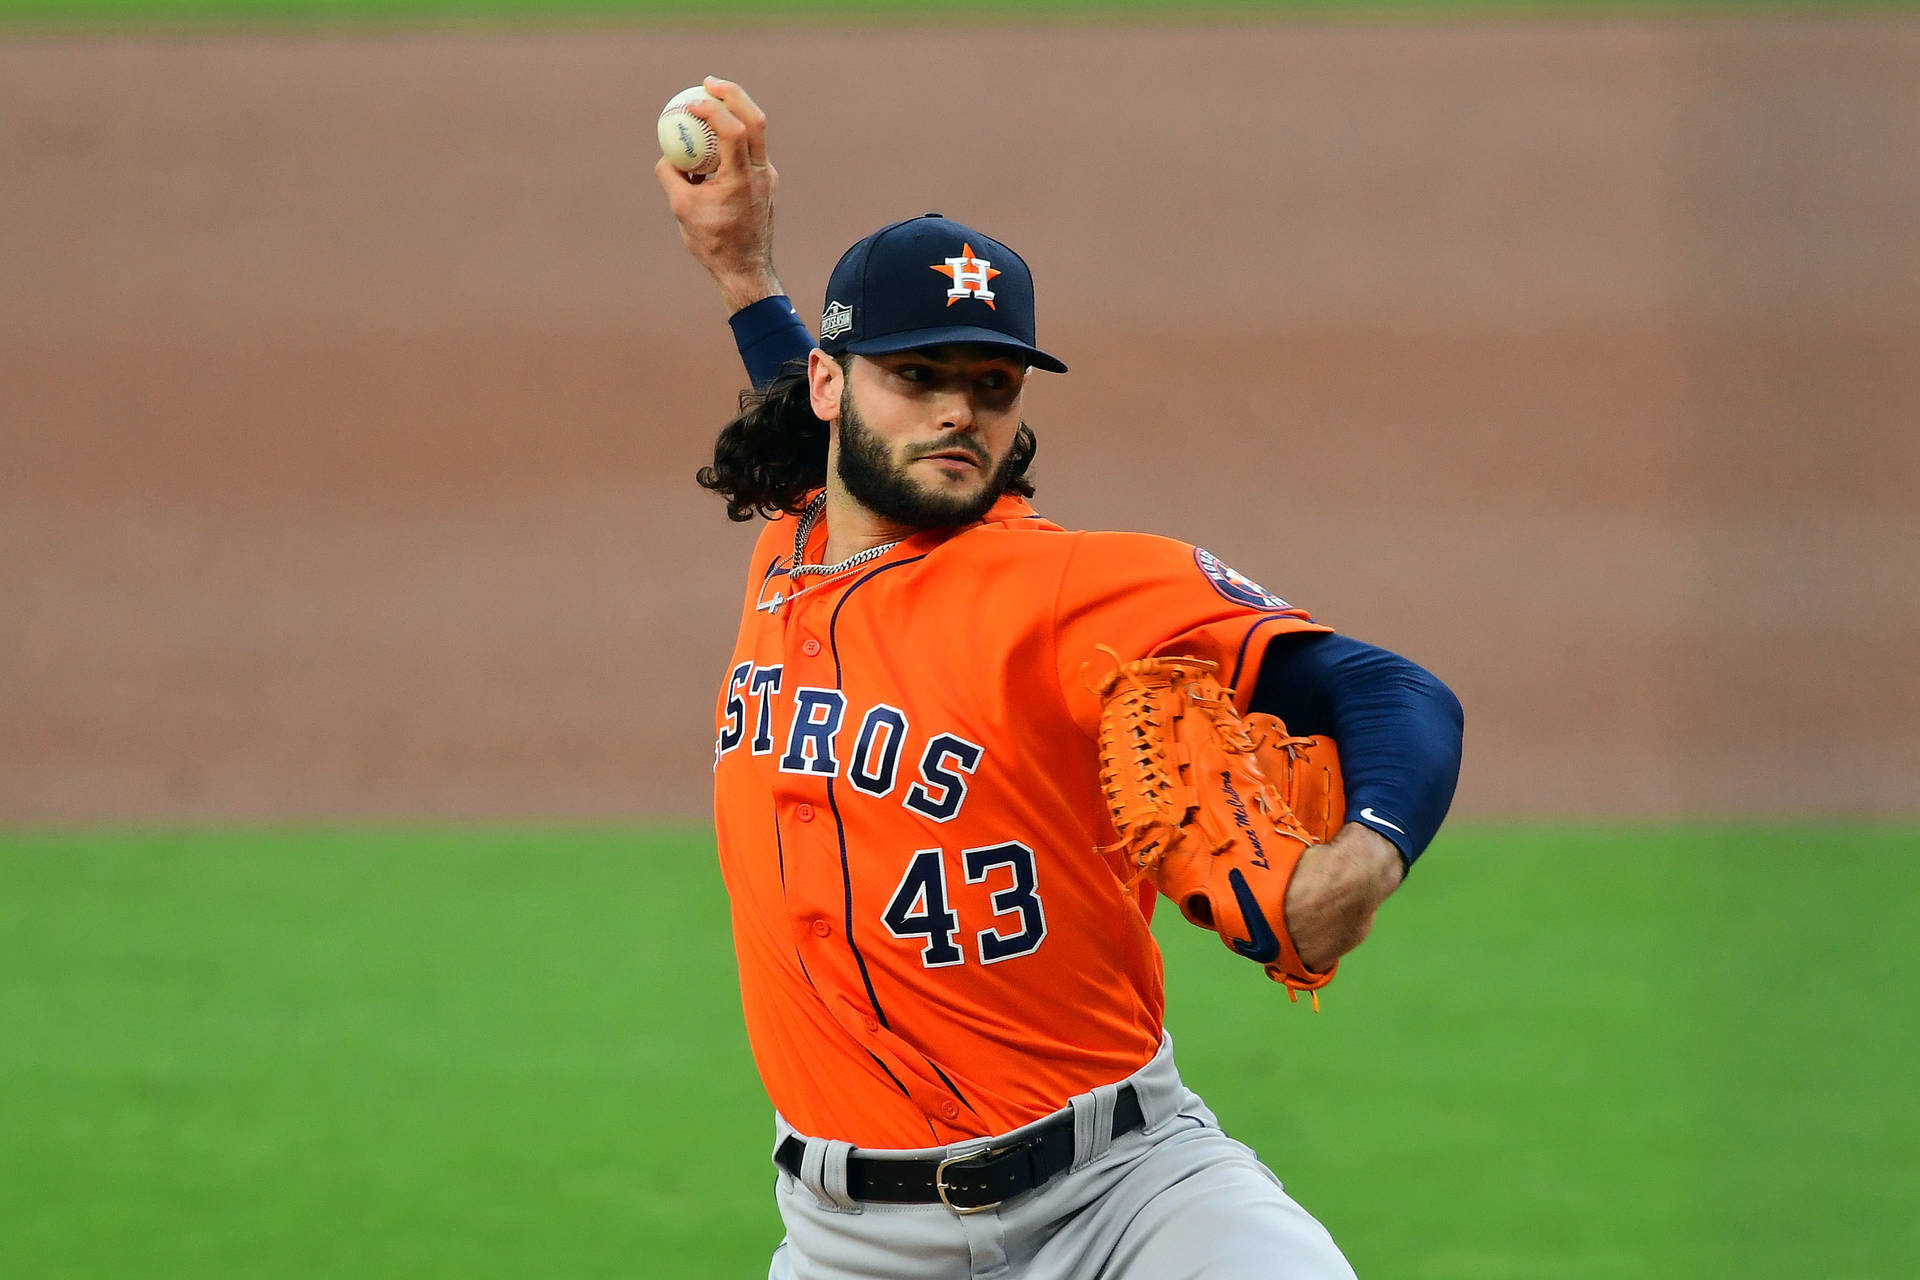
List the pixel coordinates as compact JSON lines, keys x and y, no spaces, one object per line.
{"x":823,"y":1171}
{"x":1093,"y":1123}
{"x":1086,"y":1128}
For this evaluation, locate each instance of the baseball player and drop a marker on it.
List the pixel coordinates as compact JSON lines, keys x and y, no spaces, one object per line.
{"x":949,"y":984}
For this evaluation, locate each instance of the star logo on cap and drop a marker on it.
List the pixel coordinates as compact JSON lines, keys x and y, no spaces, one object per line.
{"x":970,"y":276}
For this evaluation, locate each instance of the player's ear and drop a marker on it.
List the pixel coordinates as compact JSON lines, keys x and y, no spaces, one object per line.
{"x":825,"y":380}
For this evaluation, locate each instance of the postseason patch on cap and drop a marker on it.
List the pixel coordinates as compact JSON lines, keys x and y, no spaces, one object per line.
{"x":1234,"y":585}
{"x":835,"y":320}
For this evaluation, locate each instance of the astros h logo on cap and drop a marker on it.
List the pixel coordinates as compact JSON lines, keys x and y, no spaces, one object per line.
{"x":970,"y":276}
{"x":881,"y":299}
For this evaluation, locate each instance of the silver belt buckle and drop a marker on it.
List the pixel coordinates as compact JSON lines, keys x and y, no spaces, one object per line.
{"x":940,"y":1179}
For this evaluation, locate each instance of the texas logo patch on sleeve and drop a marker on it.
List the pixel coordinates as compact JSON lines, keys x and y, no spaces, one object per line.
{"x":1234,"y":585}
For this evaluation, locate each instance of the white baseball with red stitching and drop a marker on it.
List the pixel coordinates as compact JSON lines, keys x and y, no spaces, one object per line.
{"x":688,"y":142}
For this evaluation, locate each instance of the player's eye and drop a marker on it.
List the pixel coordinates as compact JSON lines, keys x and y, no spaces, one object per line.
{"x":912,"y":372}
{"x":1000,"y":384}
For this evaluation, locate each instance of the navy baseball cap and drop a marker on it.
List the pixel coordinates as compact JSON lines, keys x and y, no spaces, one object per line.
{"x":929,"y":282}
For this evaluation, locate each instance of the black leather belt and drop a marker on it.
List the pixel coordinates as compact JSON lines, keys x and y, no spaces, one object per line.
{"x":970,"y":1183}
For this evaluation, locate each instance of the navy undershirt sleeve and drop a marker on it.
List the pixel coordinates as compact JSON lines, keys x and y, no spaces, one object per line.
{"x":1398,"y":728}
{"x":769,"y":333}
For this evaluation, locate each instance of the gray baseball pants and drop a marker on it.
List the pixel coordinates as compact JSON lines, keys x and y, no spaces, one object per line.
{"x":1173,"y":1200}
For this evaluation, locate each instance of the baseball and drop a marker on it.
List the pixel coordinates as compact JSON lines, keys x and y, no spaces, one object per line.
{"x":687,"y":141}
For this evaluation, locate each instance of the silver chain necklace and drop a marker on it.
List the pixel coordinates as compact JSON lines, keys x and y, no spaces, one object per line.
{"x":808,"y":519}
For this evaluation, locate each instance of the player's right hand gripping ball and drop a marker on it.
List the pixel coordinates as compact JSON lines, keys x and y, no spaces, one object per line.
{"x":1213,"y":809}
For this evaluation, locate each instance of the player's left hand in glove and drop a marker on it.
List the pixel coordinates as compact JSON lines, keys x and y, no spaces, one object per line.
{"x":1213,"y":809}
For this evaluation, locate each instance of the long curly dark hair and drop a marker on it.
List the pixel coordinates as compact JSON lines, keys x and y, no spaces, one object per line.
{"x":768,"y":459}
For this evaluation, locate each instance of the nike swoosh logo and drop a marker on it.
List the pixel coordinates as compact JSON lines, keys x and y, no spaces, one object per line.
{"x":1371,"y":816}
{"x":1261,"y":944}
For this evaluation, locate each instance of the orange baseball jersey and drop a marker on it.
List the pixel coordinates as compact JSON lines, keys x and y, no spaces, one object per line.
{"x":906,"y":800}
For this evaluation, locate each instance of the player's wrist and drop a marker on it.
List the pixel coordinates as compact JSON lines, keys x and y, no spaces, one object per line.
{"x":1372,"y":862}
{"x":740,"y":289}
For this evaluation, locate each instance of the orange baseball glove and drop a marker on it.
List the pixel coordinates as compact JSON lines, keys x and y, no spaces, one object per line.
{"x":1213,"y":809}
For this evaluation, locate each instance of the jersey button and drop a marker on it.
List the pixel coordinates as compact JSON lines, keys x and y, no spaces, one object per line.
{"x":950,"y":1111}
{"x":873,"y":1023}
{"x":821,"y":928}
{"x":804,"y":812}
{"x":810,"y":647}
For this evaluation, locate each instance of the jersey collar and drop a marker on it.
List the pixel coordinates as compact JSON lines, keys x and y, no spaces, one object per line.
{"x":1010,"y":508}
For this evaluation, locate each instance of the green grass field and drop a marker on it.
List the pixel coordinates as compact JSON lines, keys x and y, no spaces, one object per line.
{"x":1602,"y":1052}
{"x":85,"y":13}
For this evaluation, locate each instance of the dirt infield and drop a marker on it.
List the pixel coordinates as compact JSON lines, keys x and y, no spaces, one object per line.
{"x":350,"y":389}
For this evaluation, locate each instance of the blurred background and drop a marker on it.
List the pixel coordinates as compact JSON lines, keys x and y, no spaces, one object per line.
{"x":360,"y":622}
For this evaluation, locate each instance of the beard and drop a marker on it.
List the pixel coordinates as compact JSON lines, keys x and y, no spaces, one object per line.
{"x":883,"y":486}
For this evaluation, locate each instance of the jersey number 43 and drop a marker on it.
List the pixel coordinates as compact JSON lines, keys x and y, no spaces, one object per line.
{"x":919,"y":908}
